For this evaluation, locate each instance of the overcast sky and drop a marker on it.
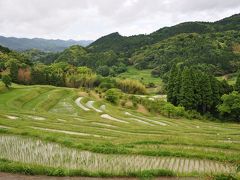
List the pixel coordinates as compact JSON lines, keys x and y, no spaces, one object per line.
{"x":91,"y":19}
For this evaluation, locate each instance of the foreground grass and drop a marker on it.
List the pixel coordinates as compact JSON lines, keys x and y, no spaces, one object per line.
{"x":16,"y":167}
{"x":29,"y":169}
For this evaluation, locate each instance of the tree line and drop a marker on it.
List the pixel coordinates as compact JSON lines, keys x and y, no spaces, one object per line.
{"x":200,"y":91}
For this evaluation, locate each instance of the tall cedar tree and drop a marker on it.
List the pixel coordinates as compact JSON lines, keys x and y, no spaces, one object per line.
{"x":174,"y":85}
{"x":206,"y":93}
{"x":225,"y":88}
{"x":171,"y":97}
{"x":187,"y":89}
{"x":237,"y":85}
{"x":216,"y":94}
{"x":195,"y":90}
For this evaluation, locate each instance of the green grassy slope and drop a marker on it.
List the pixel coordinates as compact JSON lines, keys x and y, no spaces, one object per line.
{"x":45,"y":127}
{"x":141,"y":75}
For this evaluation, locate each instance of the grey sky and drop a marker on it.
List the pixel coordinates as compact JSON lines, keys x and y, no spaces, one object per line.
{"x":91,"y":19}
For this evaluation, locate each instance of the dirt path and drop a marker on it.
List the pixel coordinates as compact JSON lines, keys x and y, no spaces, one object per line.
{"x":89,"y":104}
{"x":69,"y":132}
{"x":106,"y":116}
{"x":146,"y":119}
{"x":78,"y":102}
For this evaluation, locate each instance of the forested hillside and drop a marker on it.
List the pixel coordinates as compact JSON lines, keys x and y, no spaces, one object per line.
{"x":214,"y":46}
{"x":216,"y":51}
{"x":122,"y":44}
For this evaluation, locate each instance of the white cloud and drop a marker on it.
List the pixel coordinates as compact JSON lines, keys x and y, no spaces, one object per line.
{"x":90,"y":19}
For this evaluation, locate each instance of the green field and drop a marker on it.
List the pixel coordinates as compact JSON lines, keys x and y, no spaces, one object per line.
{"x":62,"y":131}
{"x":141,"y":75}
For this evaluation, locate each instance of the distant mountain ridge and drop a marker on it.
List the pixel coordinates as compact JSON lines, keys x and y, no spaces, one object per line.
{"x":129,"y":44}
{"x":50,"y":45}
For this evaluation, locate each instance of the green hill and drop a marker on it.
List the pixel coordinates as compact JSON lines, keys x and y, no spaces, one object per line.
{"x":210,"y":44}
{"x":72,"y":55}
{"x":128,"y":45}
{"x":216,"y":50}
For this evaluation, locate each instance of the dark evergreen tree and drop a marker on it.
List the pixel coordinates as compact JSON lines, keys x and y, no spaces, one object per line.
{"x":215,"y":86}
{"x":225,"y":87}
{"x":177,"y":88}
{"x":171,"y":96}
{"x":206,"y":93}
{"x":237,"y":85}
{"x":186,"y":95}
{"x":197,"y":76}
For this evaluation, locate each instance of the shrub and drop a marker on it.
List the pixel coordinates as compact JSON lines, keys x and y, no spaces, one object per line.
{"x":7,"y":80}
{"x":103,"y":70}
{"x":107,"y":83}
{"x":151,"y":85}
{"x":230,"y":106}
{"x":113,"y":95}
{"x":192,"y":115}
{"x":123,"y":103}
{"x":160,"y":106}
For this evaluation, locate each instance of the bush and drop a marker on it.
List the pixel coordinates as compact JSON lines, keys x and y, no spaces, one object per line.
{"x":6,"y":79}
{"x":103,"y":70}
{"x":160,"y":106}
{"x":107,"y":83}
{"x":230,"y":106}
{"x":113,"y":95}
{"x":192,"y":115}
{"x":151,"y":85}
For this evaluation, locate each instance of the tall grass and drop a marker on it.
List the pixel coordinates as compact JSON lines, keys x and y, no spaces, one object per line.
{"x":131,"y":86}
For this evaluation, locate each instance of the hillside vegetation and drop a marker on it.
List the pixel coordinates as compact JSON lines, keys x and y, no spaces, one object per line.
{"x":128,"y":45}
{"x":214,"y":51}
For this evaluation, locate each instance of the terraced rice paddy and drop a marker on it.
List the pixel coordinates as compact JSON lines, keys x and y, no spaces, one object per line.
{"x":49,"y":154}
{"x":55,"y":127}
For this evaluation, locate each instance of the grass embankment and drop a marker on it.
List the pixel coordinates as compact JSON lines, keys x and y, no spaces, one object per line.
{"x":50,"y":114}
